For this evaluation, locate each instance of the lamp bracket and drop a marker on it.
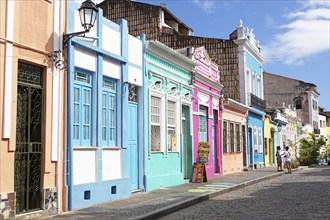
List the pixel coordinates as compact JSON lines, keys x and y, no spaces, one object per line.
{"x":67,"y":37}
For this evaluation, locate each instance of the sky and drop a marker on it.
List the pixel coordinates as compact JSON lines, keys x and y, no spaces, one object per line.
{"x":294,"y":35}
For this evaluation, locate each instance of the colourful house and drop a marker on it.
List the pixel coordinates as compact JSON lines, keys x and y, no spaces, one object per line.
{"x":234,"y":136}
{"x":31,"y":109}
{"x":206,"y":115}
{"x":168,"y":151}
{"x":268,"y":142}
{"x":251,"y":91}
{"x":104,"y":112}
{"x":206,"y":103}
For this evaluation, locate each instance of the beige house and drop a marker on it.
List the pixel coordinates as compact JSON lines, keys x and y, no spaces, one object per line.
{"x":31,"y":108}
{"x":234,"y":147}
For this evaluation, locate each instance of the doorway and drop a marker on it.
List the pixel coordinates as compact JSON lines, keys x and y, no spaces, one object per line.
{"x":28,"y":153}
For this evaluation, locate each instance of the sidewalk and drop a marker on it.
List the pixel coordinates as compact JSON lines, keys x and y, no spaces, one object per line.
{"x":155,"y":204}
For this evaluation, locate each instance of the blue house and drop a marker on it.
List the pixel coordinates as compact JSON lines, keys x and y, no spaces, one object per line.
{"x":252,"y":93}
{"x":104,"y":112}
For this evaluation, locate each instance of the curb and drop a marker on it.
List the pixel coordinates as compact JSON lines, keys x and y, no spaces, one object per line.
{"x":192,"y":201}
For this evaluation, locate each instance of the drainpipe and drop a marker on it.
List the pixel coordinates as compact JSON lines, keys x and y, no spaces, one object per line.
{"x":58,"y":164}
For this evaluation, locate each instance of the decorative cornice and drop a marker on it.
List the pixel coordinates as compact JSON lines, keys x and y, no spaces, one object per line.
{"x":208,"y":82}
{"x":245,"y":45}
{"x":169,"y":55}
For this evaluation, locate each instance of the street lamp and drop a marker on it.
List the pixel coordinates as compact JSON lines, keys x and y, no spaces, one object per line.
{"x":279,"y":127}
{"x":87,"y":13}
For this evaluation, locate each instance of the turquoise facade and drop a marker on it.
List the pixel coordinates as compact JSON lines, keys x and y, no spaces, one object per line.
{"x":168,"y":140}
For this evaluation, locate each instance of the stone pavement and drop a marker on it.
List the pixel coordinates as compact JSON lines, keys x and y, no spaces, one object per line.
{"x":157,"y":203}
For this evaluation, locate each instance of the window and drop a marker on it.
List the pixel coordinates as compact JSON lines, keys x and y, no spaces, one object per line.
{"x":266,"y":147}
{"x":248,"y":81}
{"x":298,"y":104}
{"x":232,"y":138}
{"x":171,"y":122}
{"x":255,"y":139}
{"x":155,"y":122}
{"x":82,"y":104}
{"x":259,"y":87}
{"x":238,"y":138}
{"x":260,"y":140}
{"x":224,"y":136}
{"x":254,"y":83}
{"x":202,"y":124}
{"x":314,"y":104}
{"x":109,"y":113}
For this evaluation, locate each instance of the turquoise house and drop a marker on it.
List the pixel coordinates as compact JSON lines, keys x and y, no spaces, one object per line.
{"x":168,"y":147}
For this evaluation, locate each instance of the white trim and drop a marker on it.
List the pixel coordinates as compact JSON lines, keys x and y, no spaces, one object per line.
{"x":10,"y":20}
{"x":8,"y":70}
{"x":203,"y":99}
{"x":208,"y":82}
{"x":207,"y":91}
{"x":162,"y":120}
{"x":8,"y":91}
{"x":169,"y":55}
{"x":168,"y":70}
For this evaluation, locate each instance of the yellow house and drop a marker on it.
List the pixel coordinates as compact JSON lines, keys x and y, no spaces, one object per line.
{"x":268,"y":140}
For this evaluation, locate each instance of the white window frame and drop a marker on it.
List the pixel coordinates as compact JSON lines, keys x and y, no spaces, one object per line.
{"x":254,"y":81}
{"x":177,"y":122}
{"x":260,"y":140}
{"x":259,"y":86}
{"x":162,"y":120}
{"x":248,"y":80}
{"x":255,"y":139}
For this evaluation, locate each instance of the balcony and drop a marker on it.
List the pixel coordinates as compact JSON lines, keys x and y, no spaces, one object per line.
{"x":256,"y":102}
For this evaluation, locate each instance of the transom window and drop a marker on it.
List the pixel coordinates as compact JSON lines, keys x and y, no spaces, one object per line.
{"x":82,"y":105}
{"x":109,"y":113}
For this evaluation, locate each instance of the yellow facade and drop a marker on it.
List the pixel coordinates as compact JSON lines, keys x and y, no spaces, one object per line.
{"x":268,"y":142}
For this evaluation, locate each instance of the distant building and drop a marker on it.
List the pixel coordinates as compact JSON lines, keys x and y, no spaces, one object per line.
{"x":301,"y":95}
{"x":322,"y":112}
{"x":158,"y":23}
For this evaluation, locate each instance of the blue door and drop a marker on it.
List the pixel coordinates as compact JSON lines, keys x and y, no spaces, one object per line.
{"x":133,"y":144}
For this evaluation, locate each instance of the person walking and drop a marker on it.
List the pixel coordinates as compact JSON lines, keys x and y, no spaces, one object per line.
{"x":287,"y":159}
{"x":279,"y":159}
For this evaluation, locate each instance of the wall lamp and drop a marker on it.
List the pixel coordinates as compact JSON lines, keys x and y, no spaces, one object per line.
{"x":88,"y":14}
{"x":279,"y":127}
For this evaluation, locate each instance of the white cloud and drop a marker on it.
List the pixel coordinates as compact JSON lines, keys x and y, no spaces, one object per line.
{"x":206,"y":5}
{"x":307,"y":33}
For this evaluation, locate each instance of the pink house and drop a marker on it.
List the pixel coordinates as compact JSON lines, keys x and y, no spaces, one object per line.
{"x":206,"y":107}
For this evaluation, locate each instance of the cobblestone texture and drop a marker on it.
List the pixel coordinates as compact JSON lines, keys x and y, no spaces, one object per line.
{"x":304,"y":194}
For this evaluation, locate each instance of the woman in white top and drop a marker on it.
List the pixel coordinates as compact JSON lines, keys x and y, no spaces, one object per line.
{"x":287,"y":159}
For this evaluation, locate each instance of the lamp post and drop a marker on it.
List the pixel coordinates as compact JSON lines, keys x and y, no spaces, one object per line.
{"x":87,"y":13}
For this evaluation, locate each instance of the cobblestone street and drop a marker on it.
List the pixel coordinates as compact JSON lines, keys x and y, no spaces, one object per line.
{"x":304,"y":194}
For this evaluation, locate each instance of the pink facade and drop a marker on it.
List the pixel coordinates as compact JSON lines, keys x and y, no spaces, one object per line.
{"x":206,"y":109}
